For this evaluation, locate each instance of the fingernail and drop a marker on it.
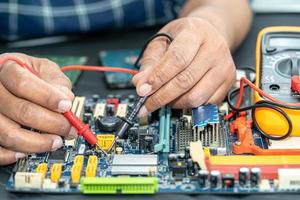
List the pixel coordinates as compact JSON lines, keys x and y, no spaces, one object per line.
{"x":144,"y":89}
{"x":143,"y":112}
{"x":57,"y":143}
{"x":73,"y":133}
{"x":64,"y":106}
{"x":20,"y":155}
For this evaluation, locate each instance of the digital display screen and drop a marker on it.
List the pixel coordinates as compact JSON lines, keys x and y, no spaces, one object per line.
{"x":284,"y":42}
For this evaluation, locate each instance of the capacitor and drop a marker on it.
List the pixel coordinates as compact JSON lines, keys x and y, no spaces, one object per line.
{"x":87,"y":117}
{"x":190,"y":167}
{"x":214,"y":178}
{"x":254,"y":177}
{"x":95,"y":97}
{"x":203,"y":178}
{"x":186,"y":152}
{"x":131,"y":98}
{"x":243,"y":176}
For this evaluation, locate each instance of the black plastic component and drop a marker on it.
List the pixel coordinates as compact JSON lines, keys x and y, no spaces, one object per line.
{"x":146,"y":141}
{"x":179,"y":170}
{"x":243,"y":176}
{"x":228,"y":181}
{"x":87,"y":117}
{"x":57,"y":156}
{"x":254,"y":177}
{"x":190,"y":167}
{"x":214,"y":178}
{"x":108,"y":124}
{"x":203,"y":178}
{"x":95,"y":97}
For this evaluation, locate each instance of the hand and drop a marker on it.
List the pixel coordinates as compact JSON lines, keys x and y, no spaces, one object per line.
{"x":35,"y":102}
{"x":196,"y":68}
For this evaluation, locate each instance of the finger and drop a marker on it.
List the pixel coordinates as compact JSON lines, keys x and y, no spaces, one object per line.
{"x":175,"y":60}
{"x":8,"y":157}
{"x":151,"y":56}
{"x":32,"y":115}
{"x":51,"y":73}
{"x":201,"y":92}
{"x":182,"y":82}
{"x":24,"y":84}
{"x":221,"y":92}
{"x":14,"y":138}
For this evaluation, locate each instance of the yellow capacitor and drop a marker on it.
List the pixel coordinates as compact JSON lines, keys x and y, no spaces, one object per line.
{"x":76,"y":173}
{"x":42,"y":168}
{"x":93,"y":160}
{"x":91,"y":170}
{"x":78,"y":160}
{"x":56,"y":172}
{"x":105,"y":141}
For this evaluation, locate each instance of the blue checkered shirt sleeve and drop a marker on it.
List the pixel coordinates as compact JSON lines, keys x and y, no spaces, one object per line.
{"x":35,"y":18}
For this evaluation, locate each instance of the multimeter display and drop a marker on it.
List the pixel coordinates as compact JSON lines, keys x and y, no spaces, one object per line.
{"x":279,"y":62}
{"x":284,"y":42}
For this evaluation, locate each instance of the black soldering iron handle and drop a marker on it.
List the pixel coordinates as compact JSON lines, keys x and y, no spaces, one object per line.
{"x":129,"y":120}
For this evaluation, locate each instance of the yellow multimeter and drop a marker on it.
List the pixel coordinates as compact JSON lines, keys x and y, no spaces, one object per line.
{"x":277,"y":61}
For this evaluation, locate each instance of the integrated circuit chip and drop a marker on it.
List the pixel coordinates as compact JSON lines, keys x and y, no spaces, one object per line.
{"x":58,"y":156}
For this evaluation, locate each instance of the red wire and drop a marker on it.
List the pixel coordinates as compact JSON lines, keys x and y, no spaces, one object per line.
{"x":99,"y":68}
{"x":243,"y":81}
{"x":82,"y":128}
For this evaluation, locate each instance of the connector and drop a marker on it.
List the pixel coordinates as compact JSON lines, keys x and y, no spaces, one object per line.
{"x":42,"y":168}
{"x":93,"y":160}
{"x":78,"y":160}
{"x":56,"y":171}
{"x":28,"y":180}
{"x":91,"y":170}
{"x":76,"y":173}
{"x":119,"y":185}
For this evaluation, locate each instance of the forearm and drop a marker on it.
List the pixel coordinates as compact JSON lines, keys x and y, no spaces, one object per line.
{"x":231,"y":17}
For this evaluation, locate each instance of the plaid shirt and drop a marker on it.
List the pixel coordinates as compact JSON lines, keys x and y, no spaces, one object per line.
{"x":34,"y":18}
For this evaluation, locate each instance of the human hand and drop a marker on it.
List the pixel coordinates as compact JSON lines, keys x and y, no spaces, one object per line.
{"x":196,"y":68}
{"x":36,"y":102}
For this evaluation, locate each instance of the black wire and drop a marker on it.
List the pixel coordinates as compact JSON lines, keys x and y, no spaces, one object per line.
{"x":168,"y":36}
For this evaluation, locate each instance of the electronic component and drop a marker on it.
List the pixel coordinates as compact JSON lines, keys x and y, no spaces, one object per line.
{"x":164,"y":131}
{"x":56,"y":171}
{"x":255,"y":176}
{"x":92,"y":165}
{"x":214,"y":178}
{"x":146,"y":140}
{"x":76,"y":173}
{"x":203,"y":178}
{"x":100,"y":110}
{"x":243,"y":176}
{"x":197,"y":154}
{"x":228,"y":181}
{"x":122,"y":110}
{"x":28,"y":180}
{"x":133,"y":164}
{"x":42,"y":168}
{"x":58,"y":156}
{"x":108,"y":123}
{"x":119,"y":185}
{"x":289,"y":179}
{"x":179,"y":170}
{"x":105,"y":141}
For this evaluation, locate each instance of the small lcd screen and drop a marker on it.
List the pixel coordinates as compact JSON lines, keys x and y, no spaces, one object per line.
{"x":284,"y":42}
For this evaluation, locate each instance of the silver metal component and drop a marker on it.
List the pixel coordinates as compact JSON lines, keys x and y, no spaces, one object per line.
{"x":134,"y":164}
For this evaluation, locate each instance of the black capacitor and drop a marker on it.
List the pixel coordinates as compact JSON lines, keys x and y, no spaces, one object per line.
{"x":95,"y":97}
{"x":190,"y":167}
{"x":87,"y":117}
{"x":131,"y":98}
{"x":203,"y":178}
{"x":254,"y":177}
{"x":108,"y":124}
{"x":187,"y":152}
{"x":214,"y":178}
{"x":228,"y":181}
{"x":243,"y":176}
{"x":88,"y":108}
